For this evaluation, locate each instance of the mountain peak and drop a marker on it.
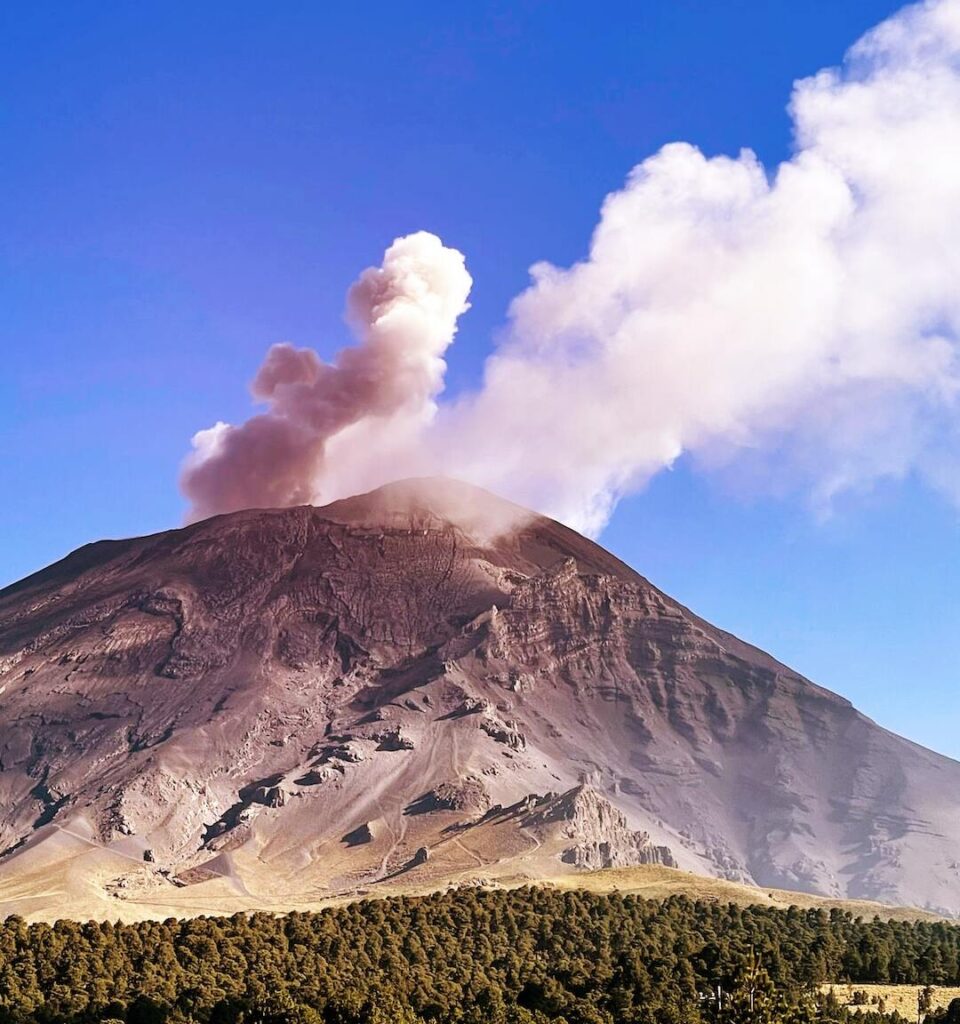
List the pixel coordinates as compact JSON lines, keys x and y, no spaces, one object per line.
{"x":475,"y":510}
{"x":308,"y":698}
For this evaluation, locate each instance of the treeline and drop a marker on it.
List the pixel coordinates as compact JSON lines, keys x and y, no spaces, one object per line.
{"x":472,"y":956}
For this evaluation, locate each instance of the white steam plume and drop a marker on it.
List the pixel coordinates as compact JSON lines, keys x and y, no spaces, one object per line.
{"x":806,"y":321}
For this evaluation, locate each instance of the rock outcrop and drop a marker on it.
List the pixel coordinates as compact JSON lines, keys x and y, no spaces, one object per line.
{"x":599,"y":834}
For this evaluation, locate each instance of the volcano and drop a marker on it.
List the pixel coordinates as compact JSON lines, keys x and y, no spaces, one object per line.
{"x":415,"y":686}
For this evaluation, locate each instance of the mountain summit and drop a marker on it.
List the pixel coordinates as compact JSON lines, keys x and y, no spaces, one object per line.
{"x":422,"y":683}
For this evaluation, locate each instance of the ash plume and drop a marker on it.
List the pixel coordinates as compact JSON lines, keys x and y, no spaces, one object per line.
{"x":404,"y":314}
{"x":797,"y":328}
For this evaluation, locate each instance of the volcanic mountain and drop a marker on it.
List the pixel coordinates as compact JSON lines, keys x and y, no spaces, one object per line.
{"x":417,"y":685}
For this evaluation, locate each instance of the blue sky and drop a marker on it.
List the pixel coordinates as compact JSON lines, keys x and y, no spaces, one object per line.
{"x":182,"y":186}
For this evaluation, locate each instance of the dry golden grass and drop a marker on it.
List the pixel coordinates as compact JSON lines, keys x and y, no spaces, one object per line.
{"x":654,"y":882}
{"x":72,"y":877}
{"x":902,"y":998}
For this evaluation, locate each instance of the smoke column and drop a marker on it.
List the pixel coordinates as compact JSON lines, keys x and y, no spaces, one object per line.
{"x":404,"y":314}
{"x":797,"y":329}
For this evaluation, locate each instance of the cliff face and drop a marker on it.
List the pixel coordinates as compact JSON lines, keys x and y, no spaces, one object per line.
{"x":309,"y":699}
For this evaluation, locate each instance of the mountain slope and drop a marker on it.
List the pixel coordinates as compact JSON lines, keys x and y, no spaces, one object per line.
{"x":421,"y":683}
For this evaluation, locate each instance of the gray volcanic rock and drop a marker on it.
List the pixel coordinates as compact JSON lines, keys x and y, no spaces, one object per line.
{"x":277,"y":698}
{"x":466,"y":796}
{"x":603,"y":839}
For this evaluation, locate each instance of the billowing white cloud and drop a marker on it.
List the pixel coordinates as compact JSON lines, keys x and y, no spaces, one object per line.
{"x":803,"y":322}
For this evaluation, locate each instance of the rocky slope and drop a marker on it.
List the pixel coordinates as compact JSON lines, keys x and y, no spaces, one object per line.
{"x":418,"y":684}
